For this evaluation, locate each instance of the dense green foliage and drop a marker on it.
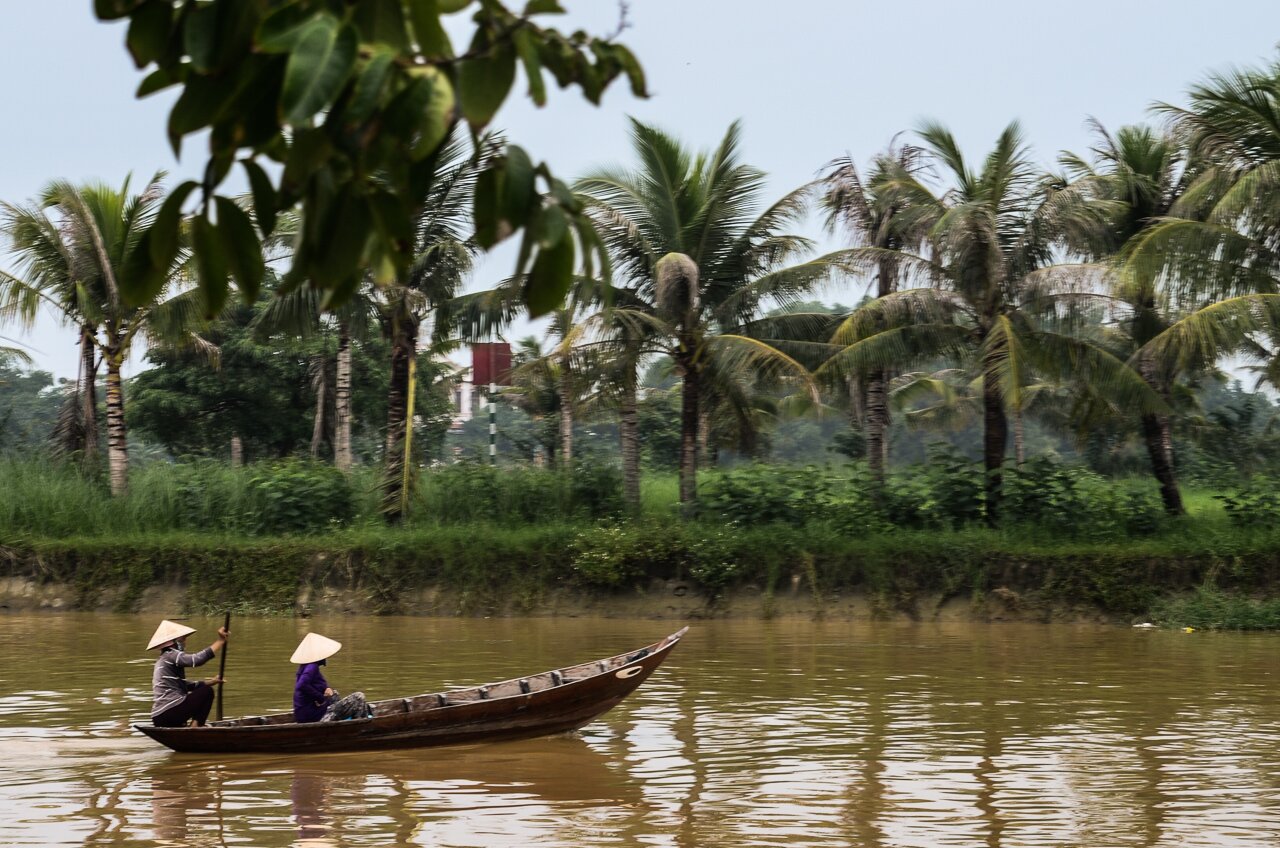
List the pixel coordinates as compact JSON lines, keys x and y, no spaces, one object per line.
{"x":352,"y":100}
{"x":491,"y":568}
{"x":29,"y":404}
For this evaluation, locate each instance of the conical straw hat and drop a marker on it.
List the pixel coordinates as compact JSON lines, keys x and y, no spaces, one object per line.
{"x":314,"y":648}
{"x":167,"y":632}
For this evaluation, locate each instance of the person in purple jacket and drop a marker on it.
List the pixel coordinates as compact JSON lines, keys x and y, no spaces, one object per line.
{"x":313,"y":698}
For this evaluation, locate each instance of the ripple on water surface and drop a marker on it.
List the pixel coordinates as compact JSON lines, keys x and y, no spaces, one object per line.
{"x":752,"y":734}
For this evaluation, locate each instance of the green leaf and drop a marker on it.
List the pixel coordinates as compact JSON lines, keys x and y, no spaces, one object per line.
{"x":421,"y":114}
{"x":200,"y":34}
{"x":149,"y":32}
{"x":307,"y":154}
{"x":369,"y":86}
{"x":211,"y":268}
{"x":264,"y":196}
{"x":202,"y":100}
{"x":518,"y":189}
{"x":344,"y":226}
{"x":280,"y":31}
{"x":382,"y":22}
{"x":550,"y":277}
{"x":487,"y":208}
{"x":543,"y":7}
{"x":392,"y":219}
{"x":448,"y":7}
{"x":436,"y":118}
{"x":243,"y":252}
{"x":432,"y":40}
{"x":157,"y":80}
{"x":164,"y":230}
{"x":485,"y":81}
{"x":527,"y":49}
{"x":112,"y":10}
{"x":140,"y":280}
{"x":549,"y":226}
{"x":631,"y":66}
{"x":318,"y":69}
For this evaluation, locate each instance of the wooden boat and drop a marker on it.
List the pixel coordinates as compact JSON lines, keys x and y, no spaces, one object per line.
{"x":551,"y":702}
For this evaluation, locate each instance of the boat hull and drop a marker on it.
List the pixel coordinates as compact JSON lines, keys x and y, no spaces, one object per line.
{"x":571,"y":698}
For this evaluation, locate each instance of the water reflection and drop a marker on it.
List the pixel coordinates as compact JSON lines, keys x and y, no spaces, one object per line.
{"x":781,"y":734}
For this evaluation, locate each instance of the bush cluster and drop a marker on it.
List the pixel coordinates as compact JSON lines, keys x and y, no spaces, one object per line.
{"x":613,"y":556}
{"x":1254,"y":505}
{"x":947,"y":493}
{"x":472,"y":492}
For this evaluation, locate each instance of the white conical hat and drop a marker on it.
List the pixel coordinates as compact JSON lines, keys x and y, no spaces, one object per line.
{"x":314,"y":648}
{"x":167,"y":632}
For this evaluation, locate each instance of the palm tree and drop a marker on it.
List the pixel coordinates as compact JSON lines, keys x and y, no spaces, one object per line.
{"x":1169,"y":318}
{"x":698,"y":261}
{"x":98,"y":229}
{"x":1143,"y":174}
{"x":875,"y":218}
{"x":46,"y":276}
{"x":444,"y":255}
{"x":991,"y":265}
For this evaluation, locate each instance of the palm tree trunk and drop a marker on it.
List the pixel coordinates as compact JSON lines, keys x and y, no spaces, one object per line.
{"x":1019,"y":446}
{"x":1155,"y":432}
{"x":342,"y":402}
{"x":566,"y":413}
{"x":629,"y":433}
{"x":877,"y":425}
{"x":689,"y":391}
{"x":877,"y":412}
{"x":857,"y":404}
{"x":404,"y":343}
{"x":117,"y":435}
{"x":320,"y":381}
{"x":995,"y":440}
{"x":89,"y":396}
{"x":704,"y":438}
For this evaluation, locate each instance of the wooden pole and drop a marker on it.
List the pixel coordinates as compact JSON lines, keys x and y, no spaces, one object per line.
{"x":222,"y":664}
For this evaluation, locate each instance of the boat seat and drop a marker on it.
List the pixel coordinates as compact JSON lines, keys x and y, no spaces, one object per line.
{"x":384,"y":708}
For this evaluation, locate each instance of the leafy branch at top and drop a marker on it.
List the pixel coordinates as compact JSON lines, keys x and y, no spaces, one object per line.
{"x":352,"y":101}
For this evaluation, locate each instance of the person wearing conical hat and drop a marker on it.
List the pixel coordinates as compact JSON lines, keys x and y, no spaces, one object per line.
{"x":313,"y":698}
{"x":175,"y":700}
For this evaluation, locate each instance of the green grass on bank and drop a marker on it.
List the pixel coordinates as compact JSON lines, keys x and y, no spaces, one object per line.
{"x":503,"y":540}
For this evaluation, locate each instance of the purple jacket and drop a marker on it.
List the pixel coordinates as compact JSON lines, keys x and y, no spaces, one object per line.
{"x":309,"y":701}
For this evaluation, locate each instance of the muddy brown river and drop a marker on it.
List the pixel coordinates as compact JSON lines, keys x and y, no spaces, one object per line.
{"x":752,"y":733}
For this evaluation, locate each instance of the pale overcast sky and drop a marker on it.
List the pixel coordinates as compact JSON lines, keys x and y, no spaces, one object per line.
{"x":810,"y":79}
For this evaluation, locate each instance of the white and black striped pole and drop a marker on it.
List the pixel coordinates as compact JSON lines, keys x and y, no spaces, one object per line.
{"x":493,"y":424}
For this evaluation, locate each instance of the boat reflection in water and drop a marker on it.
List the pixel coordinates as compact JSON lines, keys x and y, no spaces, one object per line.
{"x":309,"y":796}
{"x":355,"y":799}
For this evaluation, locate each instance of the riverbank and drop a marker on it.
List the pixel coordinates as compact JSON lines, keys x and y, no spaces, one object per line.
{"x":1208,"y":574}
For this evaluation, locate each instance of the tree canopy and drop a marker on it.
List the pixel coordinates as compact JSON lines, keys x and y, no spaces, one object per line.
{"x":340,"y":107}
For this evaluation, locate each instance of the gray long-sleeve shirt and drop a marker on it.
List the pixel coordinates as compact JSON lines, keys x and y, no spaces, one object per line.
{"x":169,"y":680}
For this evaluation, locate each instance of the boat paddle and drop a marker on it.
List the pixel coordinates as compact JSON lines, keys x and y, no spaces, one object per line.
{"x":222,"y":663}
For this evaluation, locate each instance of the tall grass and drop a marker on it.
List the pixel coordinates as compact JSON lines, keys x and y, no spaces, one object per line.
{"x":41,"y":499}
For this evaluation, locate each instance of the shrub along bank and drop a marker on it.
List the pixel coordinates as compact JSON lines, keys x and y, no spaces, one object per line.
{"x":288,"y":536}
{"x":485,"y":569}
